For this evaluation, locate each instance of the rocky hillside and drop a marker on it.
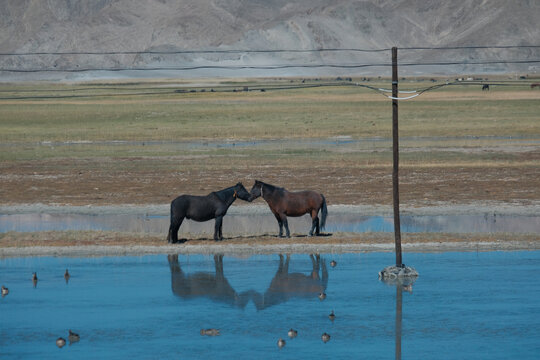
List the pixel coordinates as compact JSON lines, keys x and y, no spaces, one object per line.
{"x":60,"y":26}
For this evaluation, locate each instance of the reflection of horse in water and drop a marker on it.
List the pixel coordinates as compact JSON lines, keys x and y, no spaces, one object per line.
{"x":285,"y":286}
{"x":205,"y":284}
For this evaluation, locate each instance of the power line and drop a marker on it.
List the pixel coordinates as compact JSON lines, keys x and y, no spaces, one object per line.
{"x":273,"y":67}
{"x":239,"y":89}
{"x":471,"y":47}
{"x":478,"y":62}
{"x":199,"y":67}
{"x":248,"y":51}
{"x":180,"y":52}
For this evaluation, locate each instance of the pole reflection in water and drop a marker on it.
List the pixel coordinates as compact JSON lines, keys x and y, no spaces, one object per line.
{"x":401,"y":284}
{"x":399,"y":316}
{"x":283,"y":287}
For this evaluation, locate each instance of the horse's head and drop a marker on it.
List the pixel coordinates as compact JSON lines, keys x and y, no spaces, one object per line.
{"x":256,"y":190}
{"x":241,"y":192}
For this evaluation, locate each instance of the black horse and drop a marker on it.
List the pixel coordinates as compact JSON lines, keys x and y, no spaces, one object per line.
{"x":205,"y":284}
{"x":285,"y":203}
{"x":204,"y":208}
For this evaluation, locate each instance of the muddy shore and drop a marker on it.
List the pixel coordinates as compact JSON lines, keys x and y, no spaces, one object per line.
{"x":110,"y":243}
{"x":472,"y":243}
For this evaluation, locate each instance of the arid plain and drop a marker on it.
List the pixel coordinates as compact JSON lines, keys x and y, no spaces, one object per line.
{"x":143,"y":143}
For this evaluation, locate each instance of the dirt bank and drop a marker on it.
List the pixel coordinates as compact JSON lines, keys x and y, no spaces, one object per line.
{"x":96,"y":243}
{"x":109,"y":243}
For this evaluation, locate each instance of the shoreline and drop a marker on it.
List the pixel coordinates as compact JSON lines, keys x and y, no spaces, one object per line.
{"x":114,"y":243}
{"x":248,"y":250}
{"x":100,"y":244}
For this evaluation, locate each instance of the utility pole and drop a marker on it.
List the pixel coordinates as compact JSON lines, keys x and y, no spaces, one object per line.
{"x":396,"y":274}
{"x":395,"y":172}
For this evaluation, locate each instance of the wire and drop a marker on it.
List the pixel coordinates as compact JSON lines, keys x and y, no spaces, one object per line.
{"x":472,"y":47}
{"x":248,"y":51}
{"x":201,"y":67}
{"x":151,"y":91}
{"x":273,"y":67}
{"x":418,"y":92}
{"x":401,"y":92}
{"x":179,"y":52}
{"x":480,"y":62}
{"x":76,"y":96}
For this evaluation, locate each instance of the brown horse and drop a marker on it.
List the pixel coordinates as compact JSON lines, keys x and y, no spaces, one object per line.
{"x":285,"y":203}
{"x":285,"y":285}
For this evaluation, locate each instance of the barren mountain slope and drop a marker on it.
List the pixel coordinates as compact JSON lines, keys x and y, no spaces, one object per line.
{"x":142,"y":25}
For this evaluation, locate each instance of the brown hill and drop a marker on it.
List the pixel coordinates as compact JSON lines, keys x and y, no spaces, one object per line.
{"x":44,"y":26}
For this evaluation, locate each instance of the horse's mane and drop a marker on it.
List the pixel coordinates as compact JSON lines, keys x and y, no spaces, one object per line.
{"x":272,"y":187}
{"x":219,"y":193}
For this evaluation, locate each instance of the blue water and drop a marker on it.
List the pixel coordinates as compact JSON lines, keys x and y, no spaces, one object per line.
{"x":463,"y":306}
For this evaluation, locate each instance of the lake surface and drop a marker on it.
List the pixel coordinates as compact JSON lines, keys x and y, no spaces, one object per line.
{"x":463,"y":306}
{"x":266,"y":223}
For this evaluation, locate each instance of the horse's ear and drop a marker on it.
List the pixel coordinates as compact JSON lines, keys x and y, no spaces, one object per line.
{"x":239,"y":184}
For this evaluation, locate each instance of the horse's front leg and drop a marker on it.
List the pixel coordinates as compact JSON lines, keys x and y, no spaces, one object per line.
{"x":221,"y":230}
{"x":286,"y":224}
{"x":217,"y":228}
{"x":280,"y":223}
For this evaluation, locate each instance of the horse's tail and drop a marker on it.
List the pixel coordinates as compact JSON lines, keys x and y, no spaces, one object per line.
{"x":171,"y":227}
{"x":324,"y":213}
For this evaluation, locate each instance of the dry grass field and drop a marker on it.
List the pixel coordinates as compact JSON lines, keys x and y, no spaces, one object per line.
{"x":147,"y":142}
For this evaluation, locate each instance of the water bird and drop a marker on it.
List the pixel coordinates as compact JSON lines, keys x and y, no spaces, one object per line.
{"x":5,"y":291}
{"x":333,"y":263}
{"x":322,"y":296}
{"x":73,"y":337}
{"x":332,"y":316}
{"x":60,"y":342}
{"x":325,"y":337}
{"x":67,"y":276}
{"x":280,"y":343}
{"x":210,"y":332}
{"x":292,"y":333}
{"x":34,"y":279}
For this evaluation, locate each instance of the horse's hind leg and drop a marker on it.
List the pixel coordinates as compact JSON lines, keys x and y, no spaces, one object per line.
{"x":314,"y":224}
{"x":217,"y":228}
{"x":172,"y":238}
